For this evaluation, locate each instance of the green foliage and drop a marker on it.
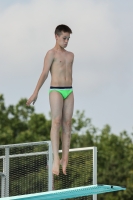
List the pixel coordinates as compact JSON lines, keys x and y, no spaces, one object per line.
{"x":19,"y":123}
{"x":114,"y":155}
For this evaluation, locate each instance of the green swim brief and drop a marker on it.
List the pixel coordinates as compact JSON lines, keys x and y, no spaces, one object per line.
{"x":64,"y":91}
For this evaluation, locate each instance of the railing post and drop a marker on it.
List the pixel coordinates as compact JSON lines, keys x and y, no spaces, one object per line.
{"x":94,"y":170}
{"x":6,"y":171}
{"x":50,"y":175}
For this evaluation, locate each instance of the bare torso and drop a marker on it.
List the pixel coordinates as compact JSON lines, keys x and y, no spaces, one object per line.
{"x":61,"y":68}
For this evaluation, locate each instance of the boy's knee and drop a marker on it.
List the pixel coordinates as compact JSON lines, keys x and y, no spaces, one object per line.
{"x":67,"y":124}
{"x":57,"y":122}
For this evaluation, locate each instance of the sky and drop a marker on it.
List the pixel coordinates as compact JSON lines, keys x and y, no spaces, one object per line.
{"x":102,"y":42}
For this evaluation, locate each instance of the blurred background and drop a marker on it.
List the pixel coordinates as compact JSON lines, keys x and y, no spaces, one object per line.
{"x":101,"y":41}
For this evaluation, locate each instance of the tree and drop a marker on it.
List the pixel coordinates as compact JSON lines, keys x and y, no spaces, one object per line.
{"x":20,"y":123}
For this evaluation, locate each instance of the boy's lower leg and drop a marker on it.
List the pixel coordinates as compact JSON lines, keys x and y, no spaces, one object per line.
{"x":55,"y":146}
{"x":66,"y":137}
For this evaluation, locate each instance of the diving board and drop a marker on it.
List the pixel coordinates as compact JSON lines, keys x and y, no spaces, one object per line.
{"x":68,"y":193}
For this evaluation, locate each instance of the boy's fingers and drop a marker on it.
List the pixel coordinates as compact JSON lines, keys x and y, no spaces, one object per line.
{"x":29,"y":102}
{"x":34,"y":101}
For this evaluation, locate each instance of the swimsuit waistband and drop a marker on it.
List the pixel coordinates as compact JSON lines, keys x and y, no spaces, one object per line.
{"x":51,"y":87}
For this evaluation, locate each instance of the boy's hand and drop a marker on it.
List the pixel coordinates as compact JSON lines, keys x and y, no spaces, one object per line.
{"x":33,"y":99}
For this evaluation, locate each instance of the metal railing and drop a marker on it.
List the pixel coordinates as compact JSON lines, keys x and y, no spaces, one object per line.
{"x":10,"y":152}
{"x":6,"y":163}
{"x":94,"y":164}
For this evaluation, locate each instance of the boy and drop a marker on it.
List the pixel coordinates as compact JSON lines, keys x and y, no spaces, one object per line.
{"x":59,"y":62}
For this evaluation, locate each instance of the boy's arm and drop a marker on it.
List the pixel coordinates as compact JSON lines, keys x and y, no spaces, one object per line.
{"x":48,"y":60}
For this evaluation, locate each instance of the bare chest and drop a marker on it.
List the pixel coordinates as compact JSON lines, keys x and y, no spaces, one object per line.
{"x":63,"y":60}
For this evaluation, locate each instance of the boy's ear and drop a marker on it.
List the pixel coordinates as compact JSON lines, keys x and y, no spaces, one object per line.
{"x":56,"y":36}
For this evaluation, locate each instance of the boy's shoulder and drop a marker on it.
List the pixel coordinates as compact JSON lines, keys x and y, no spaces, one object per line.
{"x":70,"y":53}
{"x":52,"y":52}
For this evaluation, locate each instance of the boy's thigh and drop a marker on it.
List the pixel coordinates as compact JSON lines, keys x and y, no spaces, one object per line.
{"x":68,"y":106}
{"x":56,"y":104}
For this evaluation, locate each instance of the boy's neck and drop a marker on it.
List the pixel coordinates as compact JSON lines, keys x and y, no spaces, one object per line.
{"x":58,"y":48}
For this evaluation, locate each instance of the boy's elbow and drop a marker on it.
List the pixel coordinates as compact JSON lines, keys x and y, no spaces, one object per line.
{"x":45,"y":75}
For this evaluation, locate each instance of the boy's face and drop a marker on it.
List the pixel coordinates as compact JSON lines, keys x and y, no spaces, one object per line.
{"x":63,"y":39}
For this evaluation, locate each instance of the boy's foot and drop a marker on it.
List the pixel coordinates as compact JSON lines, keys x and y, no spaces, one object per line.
{"x":56,"y":165}
{"x":64,"y":165}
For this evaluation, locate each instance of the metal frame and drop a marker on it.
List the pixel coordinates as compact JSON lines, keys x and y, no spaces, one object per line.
{"x":95,"y":170}
{"x":6,"y":163}
{"x":94,"y":149}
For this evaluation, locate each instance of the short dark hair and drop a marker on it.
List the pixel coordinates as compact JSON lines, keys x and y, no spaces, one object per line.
{"x":63,"y":28}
